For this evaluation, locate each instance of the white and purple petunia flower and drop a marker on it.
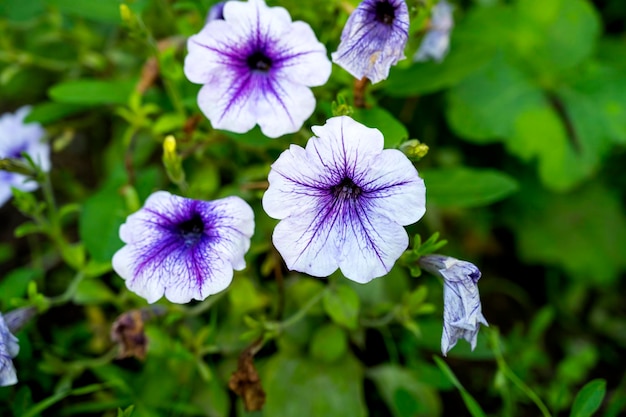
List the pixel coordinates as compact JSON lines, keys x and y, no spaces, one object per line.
{"x":9,"y":348}
{"x":342,"y":202}
{"x":256,"y":67}
{"x":436,"y":42}
{"x":17,"y":137}
{"x":373,"y":39}
{"x":462,"y":311}
{"x":182,"y":248}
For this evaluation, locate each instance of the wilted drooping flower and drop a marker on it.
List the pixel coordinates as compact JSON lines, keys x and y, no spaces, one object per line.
{"x":342,"y":202}
{"x":462,"y":313}
{"x":256,"y":66}
{"x":183,"y":248}
{"x":9,"y":349}
{"x":373,"y":39}
{"x":17,"y":137}
{"x":436,"y":42}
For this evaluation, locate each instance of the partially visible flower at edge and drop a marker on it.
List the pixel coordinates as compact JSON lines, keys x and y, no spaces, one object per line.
{"x":462,"y":311}
{"x":256,"y":67}
{"x":183,"y":248}
{"x":343,"y":202}
{"x":9,"y":348}
{"x":216,"y":12}
{"x":17,"y":137}
{"x":436,"y":42}
{"x":373,"y":39}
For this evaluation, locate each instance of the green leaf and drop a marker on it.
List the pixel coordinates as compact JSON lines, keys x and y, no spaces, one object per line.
{"x":92,"y":92}
{"x":466,"y":187}
{"x":342,"y":305}
{"x":15,"y":283}
{"x":92,"y":292}
{"x":589,"y":398}
{"x":107,"y":11}
{"x":49,"y":112}
{"x":405,"y":393}
{"x":377,"y":117}
{"x":294,"y":385}
{"x":329,"y":343}
{"x":472,"y":406}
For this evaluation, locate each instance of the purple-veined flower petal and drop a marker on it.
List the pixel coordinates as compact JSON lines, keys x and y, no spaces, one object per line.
{"x":342,"y":202}
{"x":373,"y":39}
{"x":182,"y":248}
{"x":256,"y":67}
{"x":17,"y":137}
{"x":9,"y":348}
{"x":462,"y":311}
{"x":436,"y":42}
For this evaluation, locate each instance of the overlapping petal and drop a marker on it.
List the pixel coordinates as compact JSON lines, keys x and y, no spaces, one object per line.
{"x":462,"y":311}
{"x":331,"y":198}
{"x":373,"y":39}
{"x":436,"y":42}
{"x":183,"y":249}
{"x":256,"y":66}
{"x":17,"y":137}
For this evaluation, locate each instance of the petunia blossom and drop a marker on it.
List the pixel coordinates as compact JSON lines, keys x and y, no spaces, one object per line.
{"x":256,"y":67}
{"x":373,"y":39}
{"x":462,"y":312}
{"x":436,"y":42}
{"x":17,"y":137}
{"x":182,"y":248}
{"x":342,"y":202}
{"x":9,"y":348}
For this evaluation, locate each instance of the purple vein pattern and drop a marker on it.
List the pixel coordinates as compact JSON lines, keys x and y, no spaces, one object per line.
{"x":9,"y":349}
{"x":17,"y":137}
{"x":342,"y":202}
{"x":436,"y":42}
{"x":373,"y":39}
{"x":256,"y":67}
{"x":182,"y":248}
{"x":462,"y":312}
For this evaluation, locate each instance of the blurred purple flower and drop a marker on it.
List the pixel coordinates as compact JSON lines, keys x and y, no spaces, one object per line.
{"x":216,"y":12}
{"x":462,"y":313}
{"x":436,"y":42}
{"x":373,"y":39}
{"x":9,"y":349}
{"x":256,"y":67}
{"x":183,"y":248}
{"x":17,"y":137}
{"x":342,"y":202}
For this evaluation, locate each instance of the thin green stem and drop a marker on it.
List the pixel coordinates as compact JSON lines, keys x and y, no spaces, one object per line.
{"x":508,"y":372}
{"x":300,"y":314}
{"x":70,"y":291}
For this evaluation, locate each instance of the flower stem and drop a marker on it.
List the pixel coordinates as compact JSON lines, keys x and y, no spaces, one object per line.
{"x":300,"y":314}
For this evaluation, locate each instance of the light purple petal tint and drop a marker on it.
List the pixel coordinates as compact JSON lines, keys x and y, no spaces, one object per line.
{"x":182,"y":248}
{"x":17,"y":137}
{"x":436,"y":42}
{"x":256,"y":67}
{"x":373,"y":39}
{"x":9,"y":348}
{"x":342,"y":202}
{"x":216,"y":12}
{"x":462,"y":311}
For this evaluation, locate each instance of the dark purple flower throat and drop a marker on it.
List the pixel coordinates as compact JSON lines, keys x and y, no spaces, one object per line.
{"x":191,"y":230}
{"x":346,"y":189}
{"x":385,"y":12}
{"x":258,"y":61}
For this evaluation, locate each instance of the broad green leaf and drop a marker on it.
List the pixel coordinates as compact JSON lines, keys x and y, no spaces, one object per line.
{"x":583,"y":232}
{"x":15,"y":283}
{"x":303,"y":387}
{"x":466,"y":187}
{"x":342,"y":305}
{"x":92,"y":291}
{"x":405,"y":393}
{"x":18,"y":10}
{"x":377,"y":117}
{"x":49,"y":112}
{"x":107,"y":11}
{"x":329,"y":343}
{"x":589,"y":399}
{"x":92,"y":92}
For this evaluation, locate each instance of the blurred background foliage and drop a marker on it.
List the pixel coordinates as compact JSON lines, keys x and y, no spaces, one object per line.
{"x":526,"y":124}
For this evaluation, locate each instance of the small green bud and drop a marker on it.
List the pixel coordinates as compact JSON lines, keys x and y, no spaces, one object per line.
{"x":414,"y":149}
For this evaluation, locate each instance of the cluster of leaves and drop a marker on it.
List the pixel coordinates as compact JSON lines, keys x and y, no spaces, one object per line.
{"x":529,"y":105}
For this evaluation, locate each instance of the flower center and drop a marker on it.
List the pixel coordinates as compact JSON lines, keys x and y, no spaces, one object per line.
{"x":191,"y":230}
{"x":385,"y":12}
{"x":346,"y":189}
{"x":258,"y":61}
